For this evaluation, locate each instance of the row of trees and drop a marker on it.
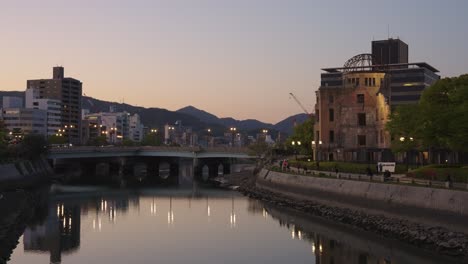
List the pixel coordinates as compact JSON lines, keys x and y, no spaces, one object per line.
{"x":438,"y":121}
{"x":30,"y":147}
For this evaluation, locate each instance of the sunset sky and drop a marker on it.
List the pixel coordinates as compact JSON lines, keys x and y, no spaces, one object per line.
{"x":236,"y":58}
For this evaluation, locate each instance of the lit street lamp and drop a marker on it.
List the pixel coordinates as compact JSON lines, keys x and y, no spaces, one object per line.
{"x":233,"y":131}
{"x":315,"y":146}
{"x":294,"y":144}
{"x":403,"y":139}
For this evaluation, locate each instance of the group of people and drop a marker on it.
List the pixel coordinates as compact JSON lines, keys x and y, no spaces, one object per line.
{"x":284,"y":165}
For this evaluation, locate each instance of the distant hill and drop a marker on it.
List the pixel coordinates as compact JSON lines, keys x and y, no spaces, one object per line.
{"x":245,"y":125}
{"x":190,"y":116}
{"x":287,"y":125}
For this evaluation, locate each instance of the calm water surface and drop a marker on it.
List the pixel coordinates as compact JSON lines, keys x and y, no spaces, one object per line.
{"x":192,"y":226}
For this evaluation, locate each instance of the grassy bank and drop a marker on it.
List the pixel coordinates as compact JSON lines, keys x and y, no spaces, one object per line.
{"x":458,"y":173}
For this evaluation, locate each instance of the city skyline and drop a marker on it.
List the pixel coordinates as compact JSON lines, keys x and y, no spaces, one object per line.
{"x":238,"y":59}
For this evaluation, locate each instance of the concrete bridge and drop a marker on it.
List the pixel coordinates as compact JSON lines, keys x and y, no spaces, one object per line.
{"x":181,"y":152}
{"x":172,"y":165}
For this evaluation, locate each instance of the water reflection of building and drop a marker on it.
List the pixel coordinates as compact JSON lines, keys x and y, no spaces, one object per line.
{"x":323,"y":248}
{"x":60,"y":232}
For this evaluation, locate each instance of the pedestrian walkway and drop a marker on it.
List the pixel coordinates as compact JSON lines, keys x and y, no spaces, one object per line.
{"x":395,"y":178}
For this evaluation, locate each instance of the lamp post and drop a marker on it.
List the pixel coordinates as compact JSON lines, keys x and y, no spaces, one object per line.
{"x":403,"y":139}
{"x":265,"y":132}
{"x":233,"y":131}
{"x":295,"y":144}
{"x":208,"y":137}
{"x":315,"y":146}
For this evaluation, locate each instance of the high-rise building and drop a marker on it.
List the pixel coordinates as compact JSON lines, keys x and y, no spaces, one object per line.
{"x":69,"y":92}
{"x":389,"y":51}
{"x":52,"y":106}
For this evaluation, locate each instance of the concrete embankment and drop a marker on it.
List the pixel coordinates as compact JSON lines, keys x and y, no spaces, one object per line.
{"x":429,"y":198}
{"x":24,"y":173}
{"x":443,"y":231}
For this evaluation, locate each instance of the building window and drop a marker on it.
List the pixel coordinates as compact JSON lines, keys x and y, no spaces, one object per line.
{"x":330,"y":99}
{"x":357,"y":81}
{"x":361,"y":119}
{"x":360,"y":98}
{"x":317,"y":115}
{"x":361,"y":140}
{"x":373,"y":81}
{"x":366,"y":81}
{"x":331,"y":136}
{"x":331,"y":114}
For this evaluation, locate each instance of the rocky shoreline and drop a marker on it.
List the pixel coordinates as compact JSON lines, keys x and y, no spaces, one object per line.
{"x":433,"y":238}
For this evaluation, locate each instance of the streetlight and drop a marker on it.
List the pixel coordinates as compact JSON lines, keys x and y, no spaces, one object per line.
{"x":208,"y":137}
{"x":233,"y":130}
{"x":294,"y":143}
{"x":315,"y":146}
{"x":403,"y":139}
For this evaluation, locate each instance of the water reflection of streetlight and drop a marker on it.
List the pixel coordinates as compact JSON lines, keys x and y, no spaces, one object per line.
{"x":265,"y":213}
{"x":170,"y":213}
{"x":208,"y":209}
{"x":153,"y":207}
{"x":233,"y":214}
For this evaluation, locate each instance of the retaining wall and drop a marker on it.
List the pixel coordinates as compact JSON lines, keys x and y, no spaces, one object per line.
{"x":446,"y":200}
{"x":23,"y":173}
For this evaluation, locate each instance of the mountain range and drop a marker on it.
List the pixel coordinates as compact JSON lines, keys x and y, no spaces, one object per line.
{"x":189,"y":116}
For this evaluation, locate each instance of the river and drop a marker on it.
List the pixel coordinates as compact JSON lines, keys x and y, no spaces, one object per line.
{"x":188,"y":225}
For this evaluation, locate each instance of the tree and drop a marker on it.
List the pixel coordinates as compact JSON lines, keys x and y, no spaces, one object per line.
{"x":444,"y":107}
{"x":404,"y":126}
{"x":3,"y":142}
{"x":439,"y":120}
{"x":98,"y":141}
{"x":259,"y":149}
{"x":53,"y":139}
{"x":305,"y":134}
{"x":32,"y":147}
{"x":128,"y":143}
{"x":151,"y":139}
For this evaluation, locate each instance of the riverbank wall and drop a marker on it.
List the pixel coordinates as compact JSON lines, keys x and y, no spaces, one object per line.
{"x":22,"y":174}
{"x":436,"y":199}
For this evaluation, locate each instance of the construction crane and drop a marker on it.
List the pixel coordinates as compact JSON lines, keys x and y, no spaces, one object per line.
{"x":299,"y":103}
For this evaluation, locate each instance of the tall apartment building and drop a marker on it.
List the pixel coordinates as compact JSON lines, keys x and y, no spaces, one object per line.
{"x":69,"y":92}
{"x":51,"y":106}
{"x":353,"y":104}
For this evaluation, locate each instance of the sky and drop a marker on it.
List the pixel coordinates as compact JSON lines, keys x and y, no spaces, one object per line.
{"x":238,"y":58}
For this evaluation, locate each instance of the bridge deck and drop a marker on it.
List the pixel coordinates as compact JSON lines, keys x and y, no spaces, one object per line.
{"x":183,"y":152}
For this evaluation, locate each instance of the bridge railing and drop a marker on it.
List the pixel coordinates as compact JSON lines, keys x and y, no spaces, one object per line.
{"x":82,"y":149}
